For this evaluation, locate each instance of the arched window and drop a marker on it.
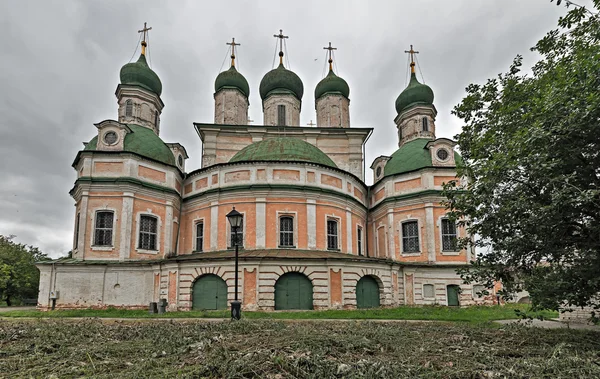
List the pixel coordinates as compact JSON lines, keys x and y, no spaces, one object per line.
{"x":281,"y":115}
{"x":148,"y":233}
{"x":332,"y":235}
{"x":286,"y":231}
{"x":425,"y":124}
{"x":128,"y":108}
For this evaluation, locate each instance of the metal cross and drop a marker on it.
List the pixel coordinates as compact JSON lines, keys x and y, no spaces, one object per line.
{"x":412,"y":53}
{"x":311,"y":123}
{"x":281,"y":38}
{"x":233,"y":45}
{"x":145,"y":32}
{"x":330,"y":51}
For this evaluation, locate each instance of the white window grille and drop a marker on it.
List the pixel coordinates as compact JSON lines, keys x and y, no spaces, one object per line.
{"x":448,"y":235}
{"x":286,"y":231}
{"x":148,"y":232}
{"x":104,"y":228}
{"x":410,"y":237}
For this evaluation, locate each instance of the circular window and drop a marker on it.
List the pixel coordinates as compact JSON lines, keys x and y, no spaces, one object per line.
{"x":442,"y":154}
{"x":110,"y":138}
{"x":180,"y":161}
{"x":378,"y":172}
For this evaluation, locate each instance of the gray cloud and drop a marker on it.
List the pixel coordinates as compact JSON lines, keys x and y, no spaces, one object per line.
{"x":61,"y":59}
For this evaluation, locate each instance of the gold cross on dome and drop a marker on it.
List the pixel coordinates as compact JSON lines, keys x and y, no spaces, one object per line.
{"x":330,"y":51}
{"x":145,"y":32}
{"x":412,"y":53}
{"x":233,"y":45}
{"x":281,"y":38}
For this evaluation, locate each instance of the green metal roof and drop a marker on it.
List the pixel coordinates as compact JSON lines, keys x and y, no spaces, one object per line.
{"x":411,"y":156}
{"x":281,"y":80}
{"x":139,"y":74}
{"x":415,"y":94}
{"x":142,"y":141}
{"x":232,"y":79}
{"x":332,"y":84}
{"x":283,"y":149}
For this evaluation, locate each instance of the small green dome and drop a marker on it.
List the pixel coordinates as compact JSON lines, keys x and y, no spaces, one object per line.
{"x":332,"y":84}
{"x":282,"y":149}
{"x":415,"y":94}
{"x":142,"y":141}
{"x":232,"y":79}
{"x":139,"y":74}
{"x":412,"y":156}
{"x":281,"y":79}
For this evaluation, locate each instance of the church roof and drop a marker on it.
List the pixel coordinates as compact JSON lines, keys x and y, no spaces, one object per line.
{"x":281,"y":149}
{"x":332,"y":84}
{"x":140,"y":74}
{"x":411,"y":156}
{"x":281,"y":80}
{"x":142,"y":141}
{"x":232,"y":79}
{"x":415,"y":94}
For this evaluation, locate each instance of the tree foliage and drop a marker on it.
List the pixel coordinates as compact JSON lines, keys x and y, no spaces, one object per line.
{"x":19,"y":278}
{"x":531,"y":147}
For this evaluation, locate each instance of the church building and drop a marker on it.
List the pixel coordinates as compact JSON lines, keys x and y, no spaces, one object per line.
{"x":314,"y":235}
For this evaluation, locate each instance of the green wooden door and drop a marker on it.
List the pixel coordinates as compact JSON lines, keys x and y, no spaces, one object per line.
{"x":367,"y":293}
{"x":209,"y":292}
{"x":293,"y":291}
{"x":453,"y":291}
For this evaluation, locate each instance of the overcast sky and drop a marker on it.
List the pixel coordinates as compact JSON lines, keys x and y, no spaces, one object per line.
{"x":60,"y":62}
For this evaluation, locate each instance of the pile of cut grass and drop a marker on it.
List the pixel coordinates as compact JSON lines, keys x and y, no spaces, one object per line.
{"x":438,"y":313}
{"x":275,"y":349}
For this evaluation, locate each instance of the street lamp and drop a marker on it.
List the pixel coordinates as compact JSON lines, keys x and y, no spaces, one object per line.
{"x":235,"y":219}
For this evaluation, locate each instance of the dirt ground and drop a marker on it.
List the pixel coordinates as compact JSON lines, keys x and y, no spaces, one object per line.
{"x":300,"y":349}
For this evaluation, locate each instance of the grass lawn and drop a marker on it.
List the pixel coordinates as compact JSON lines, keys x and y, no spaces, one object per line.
{"x":440,"y":313}
{"x":275,"y":349}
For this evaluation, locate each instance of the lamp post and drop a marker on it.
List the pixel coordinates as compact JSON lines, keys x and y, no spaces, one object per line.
{"x":235,"y":220}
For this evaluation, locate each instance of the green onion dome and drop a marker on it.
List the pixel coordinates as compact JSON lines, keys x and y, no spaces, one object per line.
{"x":142,"y":141}
{"x":232,"y":79}
{"x":281,"y":80}
{"x":332,"y":84}
{"x":415,"y":94}
{"x":139,"y":74}
{"x":282,"y":149}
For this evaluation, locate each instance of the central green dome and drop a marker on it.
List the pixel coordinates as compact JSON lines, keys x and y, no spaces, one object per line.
{"x":415,"y":94}
{"x":232,"y":79}
{"x":139,"y":74}
{"x":142,"y":141}
{"x":282,"y":149}
{"x":281,"y":79}
{"x":332,"y":84}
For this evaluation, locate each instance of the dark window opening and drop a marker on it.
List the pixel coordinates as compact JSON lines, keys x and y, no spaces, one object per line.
{"x":281,"y":115}
{"x":148,"y":233}
{"x":425,"y":124}
{"x":359,"y":241}
{"x":332,"y":235}
{"x":448,"y":235}
{"x":129,"y":108}
{"x":286,"y":231}
{"x":410,"y":237}
{"x":199,"y":236}
{"x":104,"y":228}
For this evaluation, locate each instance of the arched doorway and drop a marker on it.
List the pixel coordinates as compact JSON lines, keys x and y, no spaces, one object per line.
{"x":453,"y":292}
{"x":209,"y":292}
{"x":367,"y":293}
{"x":293,"y":291}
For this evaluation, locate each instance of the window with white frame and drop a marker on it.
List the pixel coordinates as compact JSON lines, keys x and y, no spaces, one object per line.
{"x":428,"y":291}
{"x":410,"y":237}
{"x":332,"y":235}
{"x":148,"y":233}
{"x":237,"y":236}
{"x":199,"y":236}
{"x":359,"y":240}
{"x":129,"y":108}
{"x":448,"y":235}
{"x":103,"y":230}
{"x":286,"y":231}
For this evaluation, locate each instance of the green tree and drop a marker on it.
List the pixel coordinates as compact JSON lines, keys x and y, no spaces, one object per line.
{"x":531,"y":149}
{"x":19,"y":278}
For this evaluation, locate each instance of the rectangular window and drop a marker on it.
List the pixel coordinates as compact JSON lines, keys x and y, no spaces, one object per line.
{"x":448,"y":235}
{"x":237,"y":237}
{"x":129,"y":108}
{"x":199,"y":236}
{"x":410,"y":237}
{"x":425,"y":124}
{"x":332,"y":235}
{"x":76,"y":231}
{"x":428,"y":291}
{"x":148,"y":232}
{"x":104,"y":228}
{"x":281,"y":115}
{"x":286,"y":231}
{"x":359,"y":240}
